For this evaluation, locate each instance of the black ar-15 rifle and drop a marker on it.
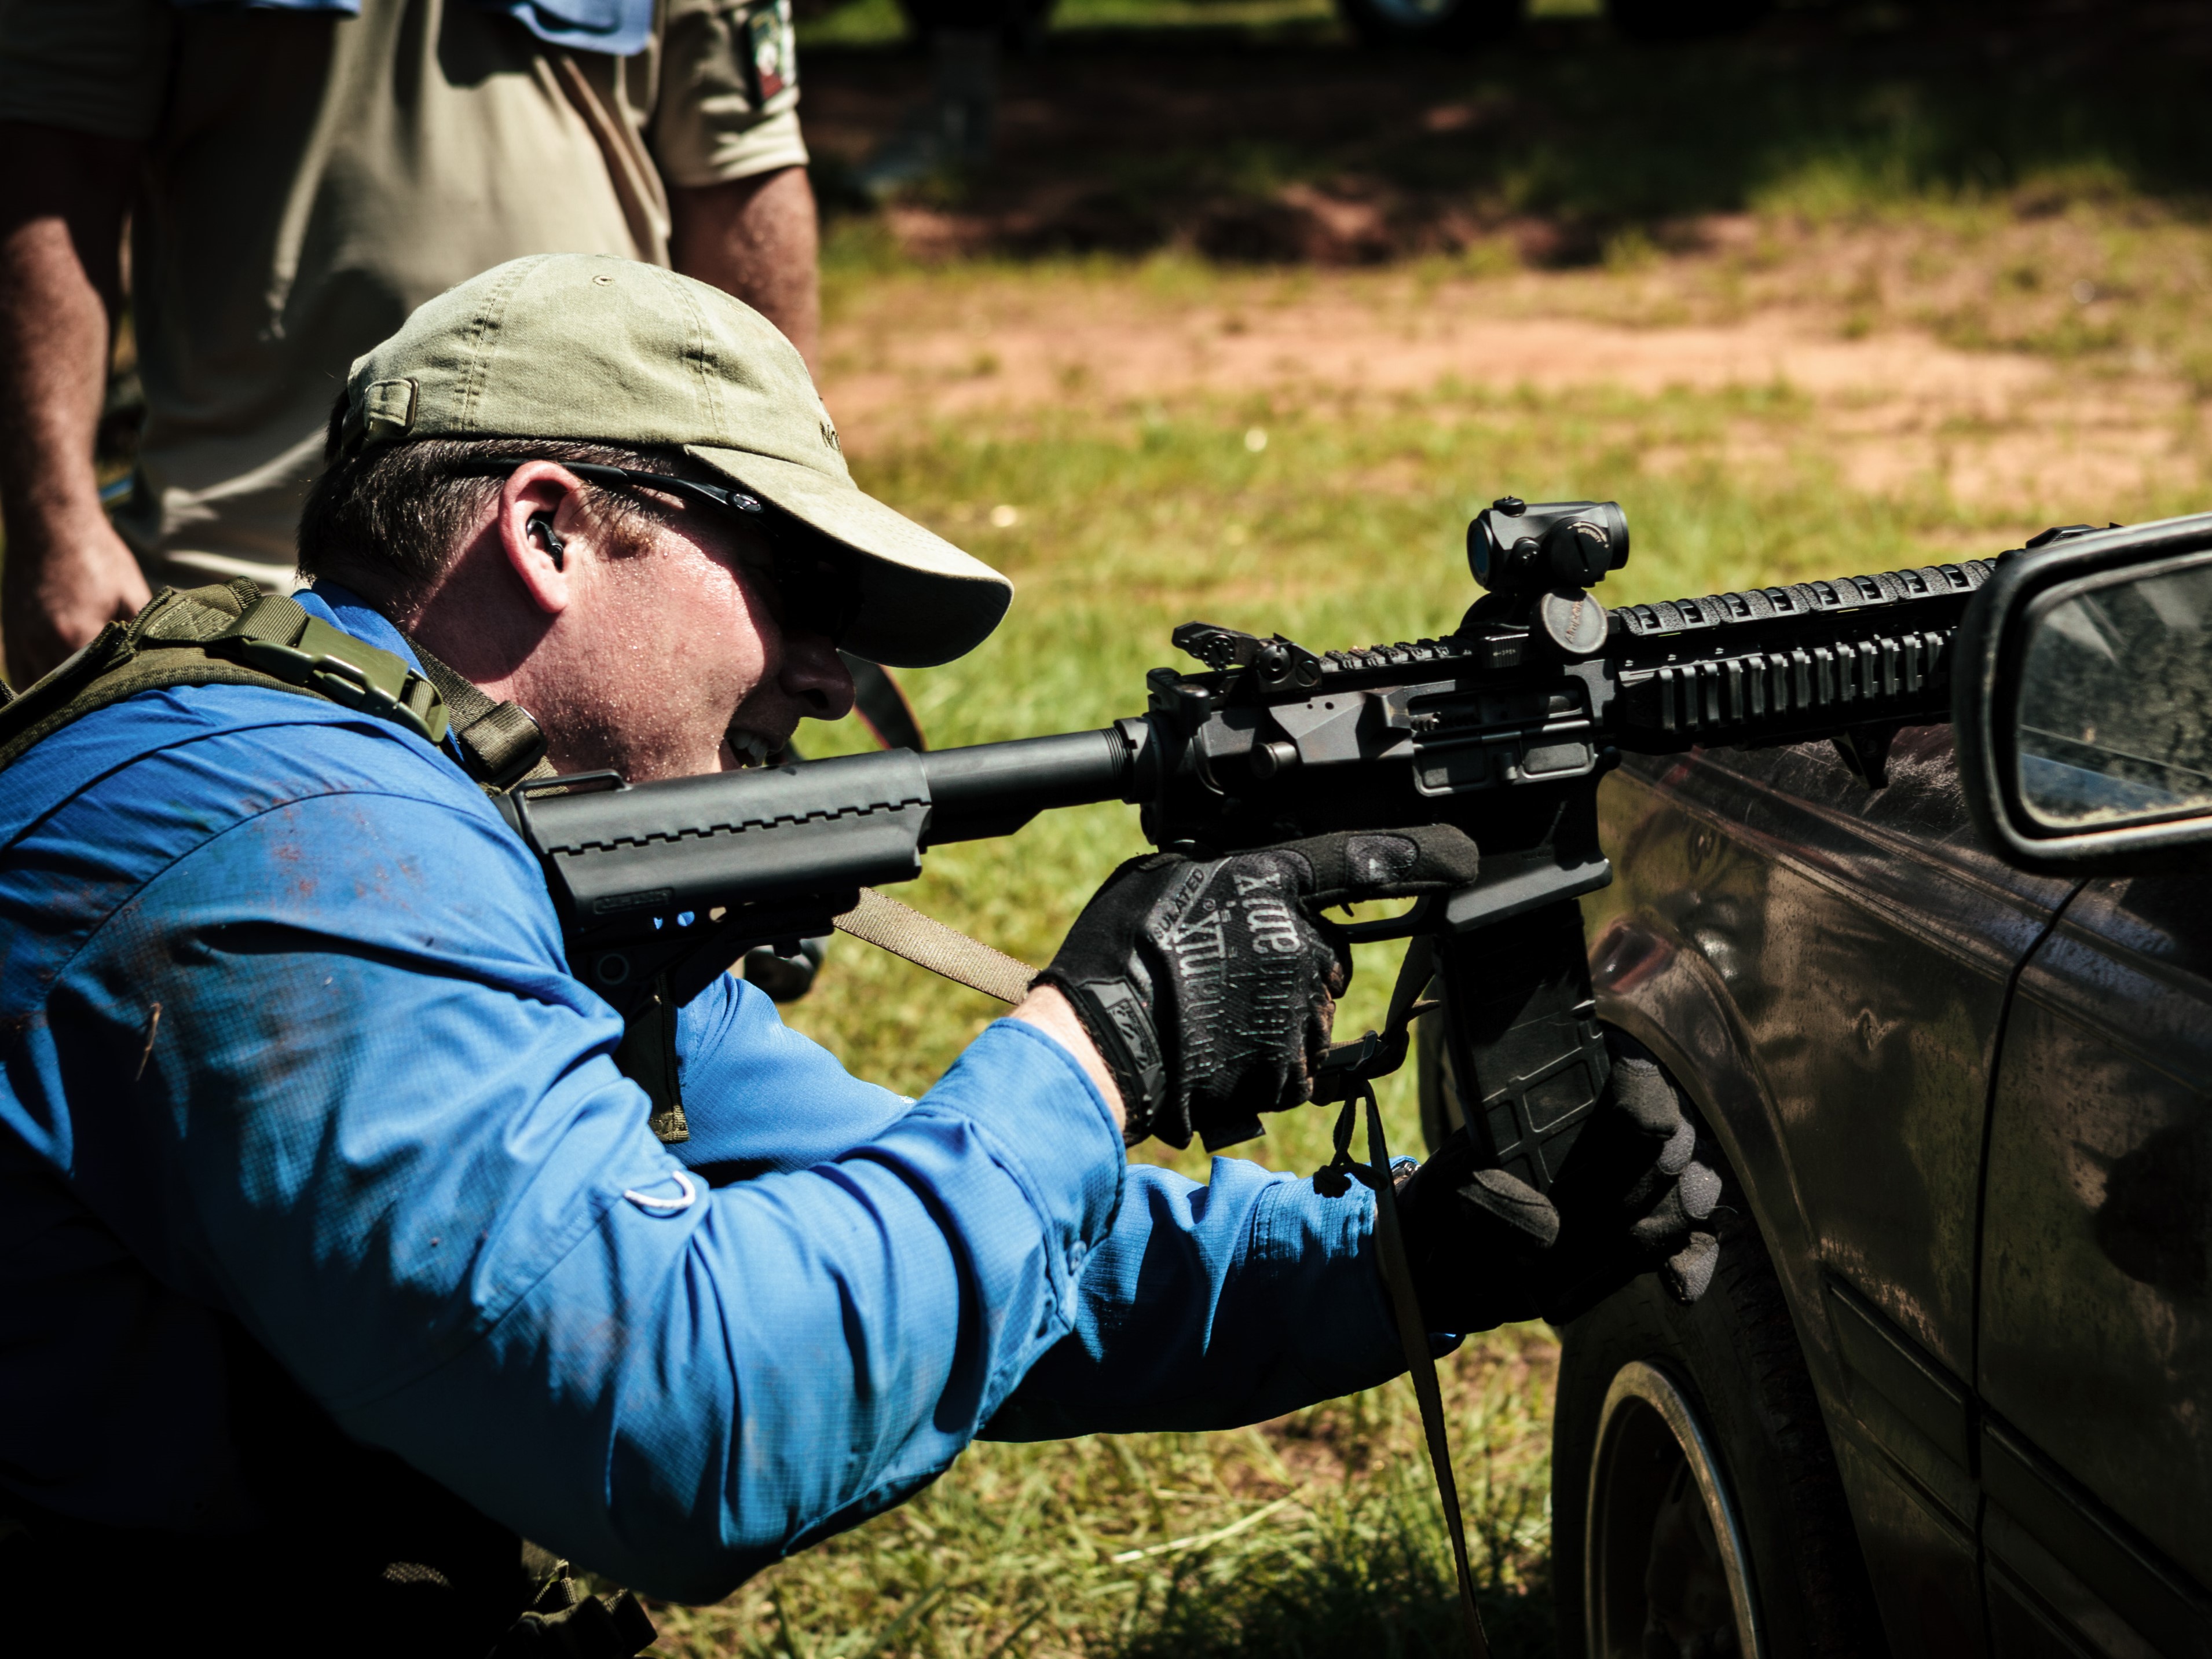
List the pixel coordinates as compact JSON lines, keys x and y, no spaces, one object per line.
{"x":1502,"y":727}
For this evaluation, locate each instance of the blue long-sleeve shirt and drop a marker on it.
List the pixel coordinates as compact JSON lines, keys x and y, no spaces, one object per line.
{"x":287,"y":1035}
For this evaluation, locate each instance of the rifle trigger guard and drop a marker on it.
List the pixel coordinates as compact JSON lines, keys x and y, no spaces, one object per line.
{"x":1418,"y":920}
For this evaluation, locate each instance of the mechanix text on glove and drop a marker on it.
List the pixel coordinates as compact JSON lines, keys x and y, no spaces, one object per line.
{"x":1210,"y":985}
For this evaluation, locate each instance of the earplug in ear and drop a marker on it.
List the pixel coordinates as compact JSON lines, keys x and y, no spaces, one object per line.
{"x":541,"y":524}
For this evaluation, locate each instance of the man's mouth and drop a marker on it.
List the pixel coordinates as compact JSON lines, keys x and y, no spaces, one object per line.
{"x":750,"y":748}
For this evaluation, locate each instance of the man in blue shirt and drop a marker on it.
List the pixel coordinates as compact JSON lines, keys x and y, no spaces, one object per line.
{"x":336,"y":1253}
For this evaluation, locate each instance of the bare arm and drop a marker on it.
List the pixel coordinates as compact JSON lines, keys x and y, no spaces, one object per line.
{"x":67,"y":573}
{"x":759,"y":238}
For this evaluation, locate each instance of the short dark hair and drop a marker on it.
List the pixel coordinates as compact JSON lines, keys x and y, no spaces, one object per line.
{"x":390,"y":519}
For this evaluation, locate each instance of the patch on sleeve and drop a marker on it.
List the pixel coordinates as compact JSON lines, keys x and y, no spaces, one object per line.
{"x":774,"y":49}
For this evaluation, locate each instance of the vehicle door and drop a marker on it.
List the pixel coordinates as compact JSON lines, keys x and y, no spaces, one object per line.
{"x":1860,"y":942}
{"x":2095,"y":1354}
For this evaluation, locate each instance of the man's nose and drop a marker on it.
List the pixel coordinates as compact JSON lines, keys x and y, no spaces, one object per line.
{"x":816,"y":676}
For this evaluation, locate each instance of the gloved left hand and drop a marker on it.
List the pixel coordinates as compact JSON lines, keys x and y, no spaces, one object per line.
{"x":1639,"y":1193}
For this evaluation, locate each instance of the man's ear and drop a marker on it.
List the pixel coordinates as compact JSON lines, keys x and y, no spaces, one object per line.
{"x":540,"y":517}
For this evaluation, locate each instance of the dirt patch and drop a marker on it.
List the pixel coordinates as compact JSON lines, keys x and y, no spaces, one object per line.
{"x":1380,"y":341}
{"x":1897,"y":410}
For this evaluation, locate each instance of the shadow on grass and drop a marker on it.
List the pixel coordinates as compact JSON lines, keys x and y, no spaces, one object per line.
{"x":1277,"y":149}
{"x":1365,"y":1591}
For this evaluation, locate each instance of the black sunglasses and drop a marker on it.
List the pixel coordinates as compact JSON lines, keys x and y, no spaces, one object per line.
{"x":812,"y":594}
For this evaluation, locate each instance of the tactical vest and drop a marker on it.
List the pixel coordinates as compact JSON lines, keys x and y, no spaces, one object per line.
{"x":236,"y":634}
{"x":361,"y":1555}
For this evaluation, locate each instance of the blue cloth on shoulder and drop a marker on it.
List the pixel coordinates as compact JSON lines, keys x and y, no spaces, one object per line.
{"x":618,"y":27}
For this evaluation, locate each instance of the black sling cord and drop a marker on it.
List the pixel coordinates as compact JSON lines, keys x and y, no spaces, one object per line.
{"x":1378,"y":1177}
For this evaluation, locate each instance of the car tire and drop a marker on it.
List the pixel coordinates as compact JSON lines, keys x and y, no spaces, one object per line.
{"x":1684,"y":19}
{"x":1448,"y":25}
{"x":1696,"y":1504}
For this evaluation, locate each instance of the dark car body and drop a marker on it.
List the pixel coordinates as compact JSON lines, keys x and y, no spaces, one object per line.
{"x":1969,"y":1111}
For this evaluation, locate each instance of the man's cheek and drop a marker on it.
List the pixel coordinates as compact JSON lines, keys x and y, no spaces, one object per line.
{"x":731,"y":656}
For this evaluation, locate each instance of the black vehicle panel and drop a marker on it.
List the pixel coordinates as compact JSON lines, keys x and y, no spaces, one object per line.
{"x":1828,"y":966}
{"x":1864,"y":943}
{"x":2096,"y":1349}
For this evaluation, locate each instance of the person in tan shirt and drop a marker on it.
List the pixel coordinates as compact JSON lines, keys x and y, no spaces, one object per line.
{"x":297,"y":181}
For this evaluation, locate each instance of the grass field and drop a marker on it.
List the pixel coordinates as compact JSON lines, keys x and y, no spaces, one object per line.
{"x":1833,"y":327}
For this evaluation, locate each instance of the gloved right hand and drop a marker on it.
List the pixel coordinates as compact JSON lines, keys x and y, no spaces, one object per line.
{"x":1210,"y":984}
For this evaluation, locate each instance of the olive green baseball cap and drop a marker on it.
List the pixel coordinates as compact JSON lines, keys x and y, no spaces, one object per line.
{"x":595,"y":350}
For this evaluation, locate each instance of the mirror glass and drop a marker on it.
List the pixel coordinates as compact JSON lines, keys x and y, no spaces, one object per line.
{"x":2116,"y":699}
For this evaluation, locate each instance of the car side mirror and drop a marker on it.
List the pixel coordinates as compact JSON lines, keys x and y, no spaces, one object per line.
{"x":2081,"y":692}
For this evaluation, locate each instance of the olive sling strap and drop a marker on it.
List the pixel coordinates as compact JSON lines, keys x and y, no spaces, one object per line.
{"x":236,"y":634}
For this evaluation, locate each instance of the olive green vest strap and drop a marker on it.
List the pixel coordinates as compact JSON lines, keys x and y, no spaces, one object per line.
{"x":232,"y":635}
{"x":236,"y":634}
{"x":276,"y":635}
{"x":500,"y":745}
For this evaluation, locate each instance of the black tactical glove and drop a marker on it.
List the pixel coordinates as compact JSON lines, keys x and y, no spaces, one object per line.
{"x":1638,"y":1193}
{"x":1471,"y":1270}
{"x":1210,"y":985}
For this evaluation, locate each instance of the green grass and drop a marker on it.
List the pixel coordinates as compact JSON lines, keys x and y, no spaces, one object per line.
{"x":1308,"y":19}
{"x":879,"y":24}
{"x":1243,"y":1544}
{"x":1317,"y":1536}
